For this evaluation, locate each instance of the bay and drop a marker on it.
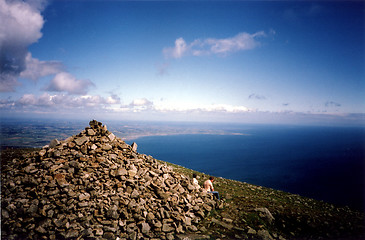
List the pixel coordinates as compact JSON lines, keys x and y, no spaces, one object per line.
{"x":325,"y":163}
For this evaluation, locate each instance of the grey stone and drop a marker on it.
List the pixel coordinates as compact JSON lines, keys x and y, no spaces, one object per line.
{"x":121,"y":172}
{"x":84,"y":196}
{"x":41,"y":230}
{"x":109,"y":236}
{"x":90,"y":132}
{"x":251,"y":231}
{"x":111,"y":137}
{"x":134,"y":194}
{"x":145,"y":228}
{"x":265,"y":214}
{"x":72,"y":233}
{"x":99,"y":231}
{"x":42,"y":152}
{"x":264,"y":235}
{"x":54,"y":143}
{"x":134,"y":147}
{"x":167,"y":227}
{"x":81,"y":140}
{"x":107,"y":147}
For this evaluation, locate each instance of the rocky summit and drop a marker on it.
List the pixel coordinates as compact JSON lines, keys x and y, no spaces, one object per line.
{"x":95,"y":186}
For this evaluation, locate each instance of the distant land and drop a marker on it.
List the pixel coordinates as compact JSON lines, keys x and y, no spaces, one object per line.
{"x":39,"y":132}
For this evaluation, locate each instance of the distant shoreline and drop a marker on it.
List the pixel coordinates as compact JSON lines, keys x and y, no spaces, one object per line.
{"x":137,"y":136}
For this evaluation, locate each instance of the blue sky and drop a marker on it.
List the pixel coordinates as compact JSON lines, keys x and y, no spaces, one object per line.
{"x":238,"y":61}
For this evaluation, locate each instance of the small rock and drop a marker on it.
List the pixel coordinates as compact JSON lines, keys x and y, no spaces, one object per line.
{"x":54,"y":143}
{"x":264,"y":235}
{"x":251,"y":231}
{"x":90,"y":132}
{"x":42,"y":152}
{"x":106,"y":147}
{"x":81,"y":140}
{"x":167,"y":228}
{"x":134,"y":147}
{"x":72,"y":233}
{"x":109,"y":236}
{"x":265,"y":214}
{"x":99,"y":232}
{"x":145,"y":228}
{"x":84,"y":196}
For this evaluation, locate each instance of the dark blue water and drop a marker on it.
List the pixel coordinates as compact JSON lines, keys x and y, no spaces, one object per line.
{"x":325,"y":163}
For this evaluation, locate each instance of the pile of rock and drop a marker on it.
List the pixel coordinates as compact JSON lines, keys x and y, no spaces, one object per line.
{"x":93,"y":186}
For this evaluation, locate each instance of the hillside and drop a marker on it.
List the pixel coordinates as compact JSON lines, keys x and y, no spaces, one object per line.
{"x":242,"y":214}
{"x":95,"y":186}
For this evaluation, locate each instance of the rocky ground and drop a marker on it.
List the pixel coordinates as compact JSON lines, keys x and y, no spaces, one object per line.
{"x":94,"y":186}
{"x":247,"y":211}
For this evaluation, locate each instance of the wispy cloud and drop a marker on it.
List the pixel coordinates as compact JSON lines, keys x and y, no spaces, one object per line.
{"x":256,"y":97}
{"x":162,"y":68}
{"x":332,"y":104}
{"x":199,"y":47}
{"x":65,"y":82}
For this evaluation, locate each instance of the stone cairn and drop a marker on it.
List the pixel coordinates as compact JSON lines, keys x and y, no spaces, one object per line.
{"x":95,"y":186}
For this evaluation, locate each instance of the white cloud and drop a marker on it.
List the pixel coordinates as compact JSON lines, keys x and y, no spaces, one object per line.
{"x":59,"y":102}
{"x":140,"y":102}
{"x":65,"y":82}
{"x":240,"y":42}
{"x":178,"y":51}
{"x":28,"y":99}
{"x":113,"y":99}
{"x":143,"y":104}
{"x":21,"y":25}
{"x":201,"y":108}
{"x":137,"y":105}
{"x":36,"y":69}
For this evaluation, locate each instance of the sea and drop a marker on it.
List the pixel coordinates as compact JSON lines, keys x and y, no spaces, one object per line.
{"x":320,"y":162}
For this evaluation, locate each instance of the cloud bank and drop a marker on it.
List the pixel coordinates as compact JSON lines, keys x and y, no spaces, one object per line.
{"x":111,"y":103}
{"x":144,"y":109}
{"x":209,"y":46}
{"x":21,"y":24}
{"x":58,"y":102}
